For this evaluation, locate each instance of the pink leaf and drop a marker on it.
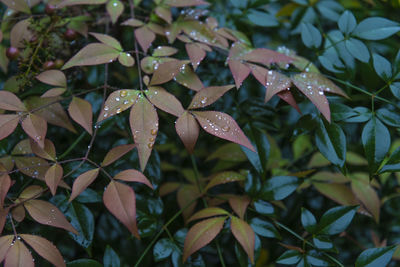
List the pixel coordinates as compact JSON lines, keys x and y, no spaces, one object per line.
{"x":165,"y":101}
{"x":53,"y":77}
{"x":164,"y":51}
{"x":5,"y":184}
{"x":145,"y":37}
{"x":239,"y":71}
{"x":185,"y":3}
{"x":47,"y":152}
{"x":117,"y":102}
{"x":10,"y":101}
{"x":107,"y":40}
{"x":8,"y":123}
{"x":36,"y":128}
{"x":276,"y":82}
{"x":82,"y":182}
{"x":133,"y":176}
{"x":53,"y":177}
{"x":208,"y":95}
{"x":115,"y":153}
{"x":239,"y":204}
{"x":166,"y":71}
{"x":188,"y":130}
{"x":80,"y":111}
{"x":244,"y":234}
{"x":195,"y":53}
{"x":18,"y":256}
{"x":266,"y":56}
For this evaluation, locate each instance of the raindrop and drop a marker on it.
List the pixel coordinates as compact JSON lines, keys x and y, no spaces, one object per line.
{"x":123,"y":93}
{"x":105,"y":115}
{"x":117,"y":99}
{"x":118,"y":110}
{"x":204,"y":100}
{"x":126,"y":102}
{"x":151,"y":139}
{"x":150,"y":145}
{"x":115,"y":4}
{"x":321,"y":92}
{"x":106,"y":108}
{"x":225,"y":128}
{"x":38,"y":137}
{"x":153,"y":132}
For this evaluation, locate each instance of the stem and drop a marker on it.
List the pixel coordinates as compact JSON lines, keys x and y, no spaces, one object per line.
{"x":74,"y":144}
{"x":12,"y":224}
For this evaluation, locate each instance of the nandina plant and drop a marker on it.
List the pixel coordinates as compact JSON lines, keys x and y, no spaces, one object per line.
{"x":186,"y":132}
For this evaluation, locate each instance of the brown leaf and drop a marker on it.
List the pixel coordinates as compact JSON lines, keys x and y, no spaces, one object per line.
{"x":133,"y":176}
{"x":368,"y":197}
{"x":115,"y":153}
{"x":20,"y":32}
{"x":5,"y":245}
{"x":239,"y":204}
{"x":32,"y":166}
{"x":54,"y":92}
{"x":5,"y":184}
{"x":144,"y":125}
{"x":107,"y":40}
{"x":164,"y":13}
{"x":275,"y":83}
{"x":266,"y":56}
{"x":244,"y":234}
{"x":80,"y":111}
{"x":145,"y":37}
{"x":3,"y":217}
{"x":201,"y":234}
{"x":120,"y":200}
{"x":337,"y":192}
{"x":8,"y":123}
{"x":225,"y":177}
{"x":46,"y":213}
{"x":115,"y":8}
{"x":185,"y":3}
{"x":117,"y":102}
{"x":166,"y":71}
{"x":9,"y":101}
{"x":7,"y":162}
{"x":18,"y":213}
{"x":126,"y":59}
{"x":186,"y":194}
{"x":48,"y":152}
{"x":18,"y":256}
{"x":208,"y":212}
{"x":164,"y":100}
{"x":53,"y":177}
{"x":323,"y":84}
{"x":188,"y":130}
{"x":65,"y":3}
{"x":167,"y":188}
{"x":188,"y":78}
{"x":239,"y":71}
{"x":200,"y":32}
{"x":32,"y":191}
{"x":44,"y":248}
{"x":208,"y":95}
{"x":82,"y":182}
{"x":53,"y":77}
{"x":132,"y":23}
{"x":195,"y":53}
{"x":36,"y":128}
{"x":223,"y":126}
{"x":164,"y":51}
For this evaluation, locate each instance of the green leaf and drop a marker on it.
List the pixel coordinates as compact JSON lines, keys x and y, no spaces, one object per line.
{"x":395,"y":88}
{"x":310,"y":35}
{"x":82,"y":220}
{"x":317,"y":259}
{"x":308,"y":220}
{"x":289,"y":257}
{"x":389,"y":117}
{"x":336,"y":220}
{"x":322,"y":242}
{"x":331,"y":142}
{"x":376,"y":28}
{"x":257,"y":159}
{"x":375,"y":257}
{"x":263,"y":207}
{"x":264,"y":228}
{"x":382,"y":67}
{"x":359,"y":114}
{"x":115,"y":8}
{"x":357,"y":49}
{"x":84,"y":263}
{"x":347,"y":22}
{"x":376,"y":141}
{"x":163,"y":249}
{"x":392,"y":164}
{"x":279,"y":187}
{"x":110,"y":258}
{"x":262,"y":18}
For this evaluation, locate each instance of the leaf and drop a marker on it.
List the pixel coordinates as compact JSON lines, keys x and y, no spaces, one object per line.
{"x":107,"y":40}
{"x":20,"y":32}
{"x":208,"y":212}
{"x":120,"y":200}
{"x":263,"y":207}
{"x":375,"y":138}
{"x":185,"y":3}
{"x":133,"y":176}
{"x":117,"y":102}
{"x":132,"y":23}
{"x":8,"y":123}
{"x":347,"y":22}
{"x":368,"y":197}
{"x":115,"y":153}
{"x":266,"y":57}
{"x":188,"y":78}
{"x":145,"y":37}
{"x":244,"y":234}
{"x":223,"y":126}
{"x":337,"y":192}
{"x":80,"y":111}
{"x":239,"y":71}
{"x":187,"y":193}
{"x":279,"y":187}
{"x":274,"y":83}
{"x":223,"y":178}
{"x":3,"y":216}
{"x":9,"y":101}
{"x":18,"y":256}
{"x":144,"y":125}
{"x":5,"y":184}
{"x":5,"y":245}
{"x":322,"y":242}
{"x":32,"y":191}
{"x":115,"y":8}
{"x":331,"y":142}
{"x":82,"y":182}
{"x":310,"y":35}
{"x":208,"y":95}
{"x":80,"y":2}
{"x":164,"y":51}
{"x":32,"y":166}
{"x":93,"y":54}
{"x":289,"y":257}
{"x":239,"y":204}
{"x":163,"y":249}
{"x":376,"y":28}
{"x":164,"y":100}
{"x":46,"y":213}
{"x":47,"y":152}
{"x":166,"y":71}
{"x":17,"y":5}
{"x":357,"y":49}
{"x":36,"y":128}
{"x":264,"y":228}
{"x":201,"y":234}
{"x":188,"y":130}
{"x":84,"y":263}
{"x":382,"y":67}
{"x":375,"y":257}
{"x":126,"y":59}
{"x":53,"y":77}
{"x":110,"y":258}
{"x":83,"y":220}
{"x":44,"y":248}
{"x":262,"y":18}
{"x":196,"y":54}
{"x":336,"y":220}
{"x":53,"y":177}
{"x":308,"y":220}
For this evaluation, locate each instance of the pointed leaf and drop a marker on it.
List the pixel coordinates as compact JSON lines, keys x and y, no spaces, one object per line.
{"x":239,"y":205}
{"x":164,"y":100}
{"x":375,"y":257}
{"x":308,"y":220}
{"x":53,"y":77}
{"x":115,"y":8}
{"x":188,"y":130}
{"x":357,"y":49}
{"x":208,"y":95}
{"x":20,"y":32}
{"x":223,"y":126}
{"x":32,"y":191}
{"x":264,"y":228}
{"x":115,"y":153}
{"x":279,"y":187}
{"x":80,"y":2}
{"x":132,"y":23}
{"x":376,"y":28}
{"x":32,"y":166}
{"x":223,"y":178}
{"x":80,"y":111}
{"x":5,"y":245}
{"x":9,"y":101}
{"x":133,"y":176}
{"x":347,"y":22}
{"x":239,"y":71}
{"x":208,"y":212}
{"x":186,"y":194}
{"x":195,"y":53}
{"x":5,"y":184}
{"x":244,"y":234}
{"x":53,"y":177}
{"x":93,"y":54}
{"x":188,"y":78}
{"x":18,"y":256}
{"x":266,"y":56}
{"x":17,"y":5}
{"x":166,"y":71}
{"x":47,"y":152}
{"x":144,"y":125}
{"x":82,"y":182}
{"x":107,"y":40}
{"x":8,"y":123}
{"x":337,"y":192}
{"x":185,"y":3}
{"x":201,"y":234}
{"x":117,"y":102}
{"x":275,"y":83}
{"x":110,"y":258}
{"x":46,"y":213}
{"x":336,"y":220}
{"x":36,"y":128}
{"x":120,"y":200}
{"x":368,"y":197}
{"x":44,"y":248}
{"x":164,"y":51}
{"x":145,"y":37}
{"x":126,"y":59}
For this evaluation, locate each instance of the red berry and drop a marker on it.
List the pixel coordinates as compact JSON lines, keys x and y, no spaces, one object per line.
{"x":50,"y":9}
{"x":70,"y":35}
{"x":48,"y":65}
{"x":58,"y":63}
{"x":12,"y":53}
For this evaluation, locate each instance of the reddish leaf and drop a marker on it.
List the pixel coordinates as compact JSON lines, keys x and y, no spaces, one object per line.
{"x":120,"y":200}
{"x":208,"y":212}
{"x":5,"y":244}
{"x":132,"y":23}
{"x":17,"y":5}
{"x":164,"y":51}
{"x":8,"y":123}
{"x":164,"y":13}
{"x":225,"y":177}
{"x":126,"y":59}
{"x":208,"y":95}
{"x":36,"y":128}
{"x":266,"y":56}
{"x":53,"y":77}
{"x":186,"y":194}
{"x":20,"y":33}
{"x":18,"y":256}
{"x":275,"y":83}
{"x":80,"y":111}
{"x":115,"y":153}
{"x":337,"y":192}
{"x":44,"y":248}
{"x":32,"y":166}
{"x":115,"y":8}
{"x":368,"y":197}
{"x":201,"y":234}
{"x":239,"y":204}
{"x":107,"y":40}
{"x":166,"y":71}
{"x":18,"y":213}
{"x":117,"y":102}
{"x":244,"y":234}
{"x":150,"y":64}
{"x":82,"y":182}
{"x":133,"y":176}
{"x":195,"y":53}
{"x":288,"y":98}
{"x":5,"y":184}
{"x":9,"y":101}
{"x":144,"y":125}
{"x":92,"y":54}
{"x":32,"y":191}
{"x":188,"y":130}
{"x":165,"y":101}
{"x":53,"y":177}
{"x":184,"y":3}
{"x":145,"y":37}
{"x":54,"y":92}
{"x":200,"y":32}
{"x":47,"y":152}
{"x":168,"y":188}
{"x":80,"y":2}
{"x":188,"y":78}
{"x":319,"y":81}
{"x":223,"y":126}
{"x":239,"y":71}
{"x":3,"y":217}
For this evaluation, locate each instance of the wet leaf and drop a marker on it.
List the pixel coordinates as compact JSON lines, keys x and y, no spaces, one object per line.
{"x":9,"y":101}
{"x":208,"y":95}
{"x":36,"y":128}
{"x":107,"y":39}
{"x":115,"y":8}
{"x":5,"y":242}
{"x":145,"y":37}
{"x":126,"y":59}
{"x":117,"y":102}
{"x":8,"y":123}
{"x":266,"y":57}
{"x":48,"y":152}
{"x":208,"y":212}
{"x":223,"y":178}
{"x":195,"y":53}
{"x":244,"y":234}
{"x":239,"y":205}
{"x":166,"y":71}
{"x":239,"y":71}
{"x":115,"y":153}
{"x":120,"y":200}
{"x":80,"y":111}
{"x":80,"y":2}
{"x":53,"y":77}
{"x":164,"y":51}
{"x":188,"y":78}
{"x":82,"y":182}
{"x":53,"y":177}
{"x":18,"y":255}
{"x":133,"y":176}
{"x":164,"y":100}
{"x":32,"y":166}
{"x":188,"y":130}
{"x":275,"y":83}
{"x":164,"y":13}
{"x":132,"y":23}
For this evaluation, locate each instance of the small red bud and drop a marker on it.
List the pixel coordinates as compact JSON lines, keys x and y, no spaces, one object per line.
{"x":12,"y":53}
{"x":48,"y":65}
{"x":50,"y":9}
{"x":70,"y":35}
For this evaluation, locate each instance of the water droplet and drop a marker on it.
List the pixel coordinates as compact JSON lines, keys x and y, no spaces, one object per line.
{"x":321,"y":92}
{"x":105,"y":115}
{"x":123,"y":93}
{"x":115,"y":4}
{"x":225,"y":128}
{"x":126,"y":102}
{"x":204,"y":100}
{"x":117,"y":99}
{"x":153,"y":132}
{"x":151,"y":139}
{"x":106,"y":108}
{"x":38,"y":137}
{"x":118,"y":110}
{"x":150,"y":145}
